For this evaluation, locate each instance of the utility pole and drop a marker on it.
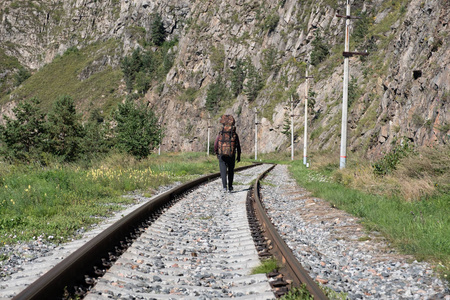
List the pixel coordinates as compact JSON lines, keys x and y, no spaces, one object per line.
{"x":256,"y":134}
{"x":346,"y":54}
{"x":208,"y":124}
{"x":160,"y":123}
{"x":305,"y":139}
{"x":292,"y":128}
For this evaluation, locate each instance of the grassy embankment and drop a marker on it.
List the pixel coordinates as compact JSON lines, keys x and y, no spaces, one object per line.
{"x":51,"y":203}
{"x":410,"y":206}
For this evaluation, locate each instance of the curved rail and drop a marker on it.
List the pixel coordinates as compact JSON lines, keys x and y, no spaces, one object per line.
{"x":281,"y":251}
{"x":53,"y":283}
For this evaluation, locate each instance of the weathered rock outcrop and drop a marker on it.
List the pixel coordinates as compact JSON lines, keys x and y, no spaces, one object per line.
{"x":401,"y":88}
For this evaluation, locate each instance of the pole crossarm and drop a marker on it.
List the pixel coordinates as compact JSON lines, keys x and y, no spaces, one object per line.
{"x":350,"y":53}
{"x":348,"y":17}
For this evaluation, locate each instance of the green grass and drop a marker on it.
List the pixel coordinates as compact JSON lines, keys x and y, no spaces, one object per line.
{"x":266,"y":266}
{"x":51,"y":203}
{"x":419,"y":228}
{"x":61,"y":77}
{"x":298,"y":294}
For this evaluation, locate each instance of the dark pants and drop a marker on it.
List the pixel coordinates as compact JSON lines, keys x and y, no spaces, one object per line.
{"x":226,"y":165}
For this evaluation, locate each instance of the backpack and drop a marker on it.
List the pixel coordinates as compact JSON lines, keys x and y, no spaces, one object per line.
{"x":227,"y":141}
{"x":227,"y":136}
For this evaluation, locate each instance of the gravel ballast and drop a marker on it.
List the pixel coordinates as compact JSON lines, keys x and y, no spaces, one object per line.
{"x":330,"y":243}
{"x":339,"y":252}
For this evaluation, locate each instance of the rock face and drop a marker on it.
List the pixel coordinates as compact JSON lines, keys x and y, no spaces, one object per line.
{"x":399,"y":90}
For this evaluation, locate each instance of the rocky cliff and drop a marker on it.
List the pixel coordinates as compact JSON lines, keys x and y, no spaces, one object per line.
{"x":399,"y":90}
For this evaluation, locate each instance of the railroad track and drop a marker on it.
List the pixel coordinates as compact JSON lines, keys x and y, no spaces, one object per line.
{"x":202,"y":247}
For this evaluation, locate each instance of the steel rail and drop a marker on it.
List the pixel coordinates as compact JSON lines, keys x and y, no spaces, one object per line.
{"x":281,"y":251}
{"x":71,"y":270}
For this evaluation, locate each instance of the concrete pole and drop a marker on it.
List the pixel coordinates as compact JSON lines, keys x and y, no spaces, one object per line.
{"x":207,"y":149}
{"x":207,"y":146}
{"x":159,"y":146}
{"x":305,"y":138}
{"x":343,"y":157}
{"x":292,"y":129}
{"x":256,"y":135}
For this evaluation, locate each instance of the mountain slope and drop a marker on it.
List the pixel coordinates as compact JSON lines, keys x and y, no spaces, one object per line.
{"x":399,"y":90}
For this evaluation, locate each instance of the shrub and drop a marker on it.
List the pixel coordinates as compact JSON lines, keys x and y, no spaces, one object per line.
{"x":390,"y":161}
{"x":21,"y":75}
{"x":271,"y":22}
{"x":137,"y":131}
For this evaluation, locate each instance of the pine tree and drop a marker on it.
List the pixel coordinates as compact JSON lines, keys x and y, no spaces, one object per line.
{"x":23,"y":135}
{"x":254,"y":82}
{"x":216,"y":93}
{"x":96,"y":139}
{"x":237,"y":78}
{"x":131,"y":65}
{"x":158,"y":31}
{"x":64,"y":129}
{"x":320,"y":50}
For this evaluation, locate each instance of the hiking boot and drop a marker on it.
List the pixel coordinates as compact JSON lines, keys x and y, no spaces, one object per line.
{"x":224,"y":190}
{"x":230,"y":189}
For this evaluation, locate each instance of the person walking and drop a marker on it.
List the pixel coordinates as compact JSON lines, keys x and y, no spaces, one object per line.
{"x":228,"y":151}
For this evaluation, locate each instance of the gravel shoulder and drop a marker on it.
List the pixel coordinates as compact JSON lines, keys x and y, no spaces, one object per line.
{"x":337,"y":250}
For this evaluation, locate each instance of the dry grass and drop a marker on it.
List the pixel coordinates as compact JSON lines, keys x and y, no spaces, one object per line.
{"x":416,"y":177}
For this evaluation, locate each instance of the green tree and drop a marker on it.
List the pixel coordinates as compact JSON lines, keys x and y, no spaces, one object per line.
{"x":271,"y":21}
{"x":269,"y":64}
{"x":254,"y":82}
{"x":23,"y":135}
{"x":21,"y":75}
{"x":287,"y":126}
{"x":158,"y":32}
{"x":142,"y":82}
{"x":150,"y":61}
{"x":237,"y":78}
{"x":353,"y":91}
{"x":361,"y":28}
{"x":217,"y":92}
{"x":96,"y":139}
{"x":64,"y":130}
{"x":311,"y":100}
{"x":320,"y":50}
{"x":131,"y":65}
{"x":217,"y":57}
{"x":137,"y":131}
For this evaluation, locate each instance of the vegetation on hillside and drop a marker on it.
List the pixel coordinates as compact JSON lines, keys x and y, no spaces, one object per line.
{"x":10,"y":68}
{"x":144,"y":69}
{"x":32,"y":136}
